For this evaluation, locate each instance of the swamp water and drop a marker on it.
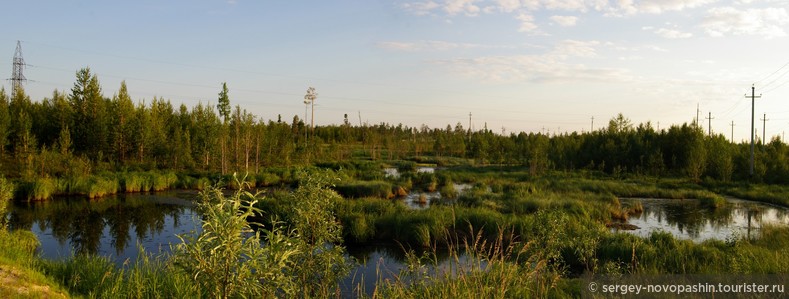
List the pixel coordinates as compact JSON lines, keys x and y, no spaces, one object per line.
{"x":113,"y":226}
{"x":689,"y":219}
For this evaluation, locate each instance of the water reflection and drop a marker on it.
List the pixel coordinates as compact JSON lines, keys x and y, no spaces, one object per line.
{"x":422,"y":200}
{"x":688,"y":219}
{"x":394,"y":173}
{"x":384,"y":262}
{"x":111,"y":226}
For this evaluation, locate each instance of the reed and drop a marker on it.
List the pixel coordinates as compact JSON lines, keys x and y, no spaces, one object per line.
{"x":476,"y":268}
{"x":37,"y":189}
{"x":359,"y":189}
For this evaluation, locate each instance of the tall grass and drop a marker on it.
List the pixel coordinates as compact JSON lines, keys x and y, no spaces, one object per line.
{"x":359,"y":189}
{"x":20,"y":276}
{"x":476,"y":268}
{"x":98,"y":277}
{"x":37,"y":189}
{"x":95,"y":186}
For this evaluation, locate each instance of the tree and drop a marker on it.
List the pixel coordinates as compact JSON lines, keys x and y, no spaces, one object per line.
{"x":89,"y":119}
{"x":204,"y":131}
{"x":619,"y":124}
{"x":5,"y":121}
{"x":122,"y":114}
{"x":223,"y":103}
{"x":22,"y":138}
{"x":223,"y":106}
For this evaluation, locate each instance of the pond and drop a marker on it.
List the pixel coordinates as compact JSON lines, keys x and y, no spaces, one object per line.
{"x":422,"y":200}
{"x":112,"y":226}
{"x":688,"y":219}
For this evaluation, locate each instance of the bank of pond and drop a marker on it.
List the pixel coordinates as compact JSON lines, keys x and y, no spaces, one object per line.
{"x":573,"y":224}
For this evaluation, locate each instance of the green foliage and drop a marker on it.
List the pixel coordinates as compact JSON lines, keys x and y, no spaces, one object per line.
{"x":227,"y":258}
{"x":223,"y":103}
{"x":300,"y":256}
{"x":321,"y":263}
{"x":6,"y":194}
{"x":37,"y":189}
{"x":98,"y":277}
{"x":19,"y":247}
{"x":476,"y":268}
{"x":21,"y":276}
{"x":359,"y":189}
{"x":449,"y":191}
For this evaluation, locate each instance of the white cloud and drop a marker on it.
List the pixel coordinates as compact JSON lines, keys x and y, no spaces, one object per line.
{"x":660,"y":6}
{"x":574,"y":48}
{"x":552,"y":66}
{"x":527,"y":23}
{"x":507,"y":5}
{"x":631,"y":7}
{"x":520,"y":68}
{"x":569,"y":5}
{"x":421,"y":8}
{"x":432,"y":45}
{"x":467,"y":7}
{"x":565,"y":21}
{"x":768,"y":22}
{"x":523,"y":10}
{"x":672,"y":33}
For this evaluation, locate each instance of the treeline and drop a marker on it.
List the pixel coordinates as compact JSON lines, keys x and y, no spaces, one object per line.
{"x":83,"y":132}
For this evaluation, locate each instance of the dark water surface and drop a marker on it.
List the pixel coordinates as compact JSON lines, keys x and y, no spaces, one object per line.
{"x":688,"y":219}
{"x":114,"y":225}
{"x":111,"y":226}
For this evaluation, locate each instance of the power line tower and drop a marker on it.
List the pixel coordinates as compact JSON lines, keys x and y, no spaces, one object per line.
{"x":592,"y":125}
{"x":17,"y":75}
{"x":753,"y":116}
{"x":709,"y":125}
{"x":764,"y":128}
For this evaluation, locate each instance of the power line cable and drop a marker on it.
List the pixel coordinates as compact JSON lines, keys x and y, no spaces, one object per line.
{"x":773,"y":73}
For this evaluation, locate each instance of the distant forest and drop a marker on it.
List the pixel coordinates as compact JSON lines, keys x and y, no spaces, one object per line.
{"x":83,"y":132}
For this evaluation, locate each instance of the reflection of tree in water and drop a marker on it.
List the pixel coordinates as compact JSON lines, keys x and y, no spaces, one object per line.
{"x":82,"y":222}
{"x":688,"y":216}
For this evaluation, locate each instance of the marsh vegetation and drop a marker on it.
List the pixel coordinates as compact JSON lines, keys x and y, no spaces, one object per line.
{"x":527,"y":213}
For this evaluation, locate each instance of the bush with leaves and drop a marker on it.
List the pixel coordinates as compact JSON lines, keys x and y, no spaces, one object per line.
{"x":300,"y":256}
{"x":6,"y":193}
{"x":321,"y":260}
{"x":228,"y":258}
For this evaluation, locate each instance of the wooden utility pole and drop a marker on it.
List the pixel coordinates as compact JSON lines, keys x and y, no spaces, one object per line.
{"x":697,"y":115}
{"x":732,"y":131}
{"x":709,"y":126}
{"x":469,"y":121}
{"x":753,"y":116}
{"x":764,"y":128}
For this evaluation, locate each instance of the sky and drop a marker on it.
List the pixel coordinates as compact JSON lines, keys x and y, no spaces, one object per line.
{"x":514,"y":65}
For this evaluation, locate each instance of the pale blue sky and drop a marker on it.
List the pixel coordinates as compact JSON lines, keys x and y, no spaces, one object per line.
{"x":523,"y":65}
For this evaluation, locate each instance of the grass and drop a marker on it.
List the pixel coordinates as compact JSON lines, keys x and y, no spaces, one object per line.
{"x":774,"y":194}
{"x":98,"y":277}
{"x":95,"y":186}
{"x":37,"y":189}
{"x":359,"y":189}
{"x":476,"y":268}
{"x":19,"y":278}
{"x":556,"y":230}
